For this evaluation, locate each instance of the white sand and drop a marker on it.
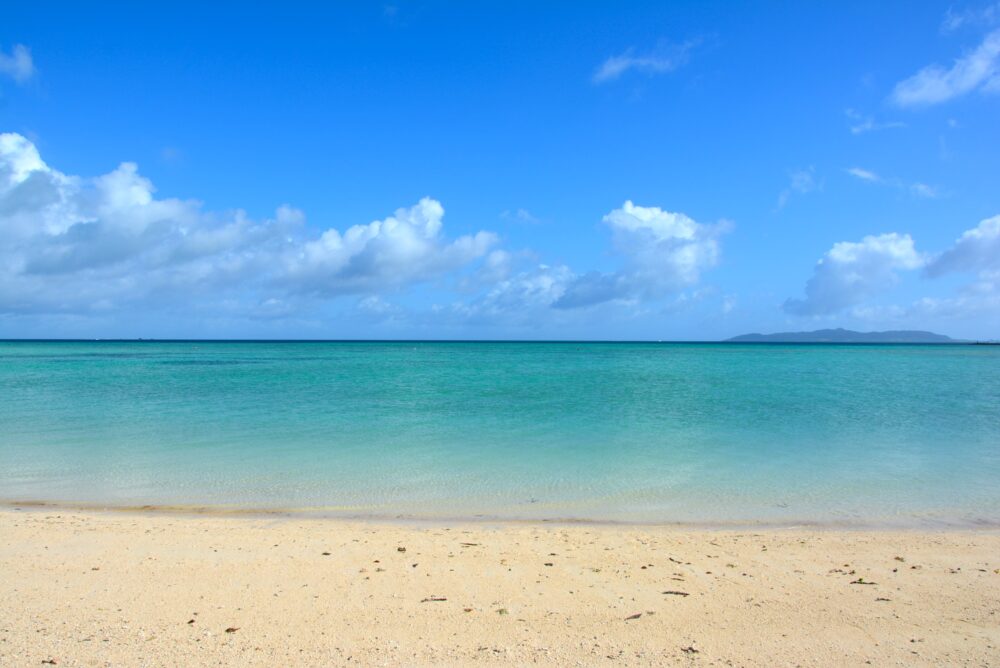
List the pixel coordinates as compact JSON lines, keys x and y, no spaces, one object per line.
{"x":120,"y":589}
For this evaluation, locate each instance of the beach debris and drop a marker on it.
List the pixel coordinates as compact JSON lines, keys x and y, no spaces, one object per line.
{"x":672,"y":592}
{"x":882,"y":598}
{"x":232,"y":629}
{"x":689,"y":650}
{"x":899,"y":559}
{"x":401,"y":549}
{"x":635,"y":616}
{"x":469,"y":544}
{"x":430,"y":599}
{"x":862,"y":581}
{"x":190,"y":621}
{"x":548,"y":563}
{"x":50,"y":662}
{"x":326,"y":554}
{"x":466,"y":609}
{"x":502,"y":611}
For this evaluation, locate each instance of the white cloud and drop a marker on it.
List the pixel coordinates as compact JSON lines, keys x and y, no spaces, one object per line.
{"x":863,"y":174}
{"x":977,"y":249}
{"x":665,"y":248}
{"x":663,"y":252}
{"x":850,"y":272}
{"x":976,"y":70}
{"x":73,"y":244}
{"x":522,"y":299}
{"x":978,"y":299}
{"x":18,"y":65}
{"x":666,"y":57}
{"x":404,"y":248}
{"x":86,"y":247}
{"x":495,"y":267}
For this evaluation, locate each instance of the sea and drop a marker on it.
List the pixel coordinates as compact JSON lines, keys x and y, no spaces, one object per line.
{"x":716,"y":434}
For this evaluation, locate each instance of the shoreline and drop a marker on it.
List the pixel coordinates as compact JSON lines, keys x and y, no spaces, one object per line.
{"x":93,"y":588}
{"x":328,"y":514}
{"x":331,"y":514}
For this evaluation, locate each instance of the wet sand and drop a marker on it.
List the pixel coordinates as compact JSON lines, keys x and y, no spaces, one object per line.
{"x":84,"y":588}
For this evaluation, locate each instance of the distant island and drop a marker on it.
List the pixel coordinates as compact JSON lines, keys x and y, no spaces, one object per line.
{"x":840,"y":335}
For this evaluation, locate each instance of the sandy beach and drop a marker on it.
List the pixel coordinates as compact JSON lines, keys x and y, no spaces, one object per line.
{"x":82,"y":588}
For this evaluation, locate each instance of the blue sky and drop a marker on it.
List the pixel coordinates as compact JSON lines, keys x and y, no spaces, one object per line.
{"x":508,"y":170}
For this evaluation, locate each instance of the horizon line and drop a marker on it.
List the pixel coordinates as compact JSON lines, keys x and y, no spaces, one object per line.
{"x":585,"y":341}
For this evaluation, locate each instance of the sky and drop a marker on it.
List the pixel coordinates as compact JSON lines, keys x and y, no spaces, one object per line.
{"x":514,"y":170}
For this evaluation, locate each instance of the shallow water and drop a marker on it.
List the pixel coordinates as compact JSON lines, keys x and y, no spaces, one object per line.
{"x":888,"y":434}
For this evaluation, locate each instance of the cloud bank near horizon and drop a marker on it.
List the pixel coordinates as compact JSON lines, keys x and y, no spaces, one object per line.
{"x":92,"y":246}
{"x":97,"y":245}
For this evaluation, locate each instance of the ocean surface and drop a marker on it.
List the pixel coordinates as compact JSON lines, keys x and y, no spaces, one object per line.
{"x":890,"y":435}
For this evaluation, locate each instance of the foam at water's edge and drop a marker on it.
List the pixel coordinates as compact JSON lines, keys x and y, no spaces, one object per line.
{"x":939,"y":524}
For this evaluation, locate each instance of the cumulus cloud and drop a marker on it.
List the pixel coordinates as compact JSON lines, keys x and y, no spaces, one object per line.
{"x":977,"y":249}
{"x":522,"y":299}
{"x":977,"y":70}
{"x":667,"y":57}
{"x":75,"y":244}
{"x":404,"y":248}
{"x":18,"y":64}
{"x":662,"y":251}
{"x":665,"y":248}
{"x":850,"y":272}
{"x":86,"y":246}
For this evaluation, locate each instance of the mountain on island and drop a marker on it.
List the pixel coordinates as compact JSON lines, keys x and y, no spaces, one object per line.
{"x":845,"y":336}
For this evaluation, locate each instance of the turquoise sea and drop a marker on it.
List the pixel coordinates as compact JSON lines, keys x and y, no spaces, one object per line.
{"x":891,"y":435}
